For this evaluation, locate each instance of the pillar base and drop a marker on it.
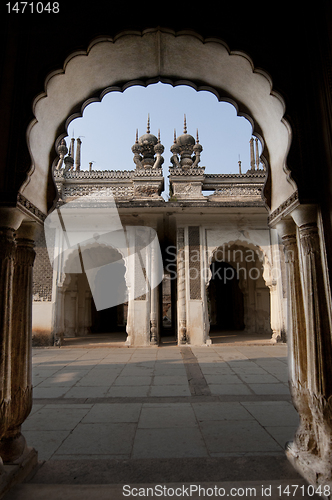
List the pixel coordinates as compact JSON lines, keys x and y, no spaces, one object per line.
{"x":314,"y":468}
{"x":12,"y":447}
{"x":18,"y":472}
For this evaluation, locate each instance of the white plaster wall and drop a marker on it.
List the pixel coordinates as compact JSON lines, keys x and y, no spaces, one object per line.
{"x":42,"y":317}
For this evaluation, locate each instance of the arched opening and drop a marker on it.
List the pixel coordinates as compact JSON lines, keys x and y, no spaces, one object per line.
{"x":237,"y":295}
{"x":77,"y":316}
{"x":268,"y":125}
{"x":225,"y":299}
{"x":230,"y":76}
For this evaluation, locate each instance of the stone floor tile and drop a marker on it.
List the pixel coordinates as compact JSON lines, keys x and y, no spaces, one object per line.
{"x":115,"y":412}
{"x":215,"y":368}
{"x":52,"y":419}
{"x":91,"y":457}
{"x":282,"y":434}
{"x":45,"y":442}
{"x":35,"y":407}
{"x":141,"y":380}
{"x":272,"y":413}
{"x":279,"y":388}
{"x":128,"y":391}
{"x":221,"y":411}
{"x":169,"y":443}
{"x":99,"y":439}
{"x":167,"y":417}
{"x":233,"y":389}
{"x":87,"y":392}
{"x":134,"y":371}
{"x":249,"y":368}
{"x":64,"y":378}
{"x":45,"y":372}
{"x":171,"y":390}
{"x":239,"y":436}
{"x":170,"y":379}
{"x":265,"y":378}
{"x":223,"y":378}
{"x":49,"y":392}
{"x":96,"y":379}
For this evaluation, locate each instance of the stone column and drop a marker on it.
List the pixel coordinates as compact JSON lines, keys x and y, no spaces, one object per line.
{"x":311,"y":453}
{"x":7,"y":254}
{"x":181,"y":283}
{"x":297,"y":340}
{"x":17,"y":257}
{"x":154,"y":301}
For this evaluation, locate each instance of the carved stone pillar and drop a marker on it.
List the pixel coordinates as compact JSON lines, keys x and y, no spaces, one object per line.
{"x":7,"y":255}
{"x":312,"y":452}
{"x":297,"y":340}
{"x":18,"y":386}
{"x":181,"y":284}
{"x":154,"y":302}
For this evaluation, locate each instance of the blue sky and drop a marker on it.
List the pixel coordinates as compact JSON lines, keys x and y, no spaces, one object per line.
{"x":108,"y":129}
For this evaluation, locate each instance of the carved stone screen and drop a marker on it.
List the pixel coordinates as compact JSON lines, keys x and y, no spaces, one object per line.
{"x":194,"y":263}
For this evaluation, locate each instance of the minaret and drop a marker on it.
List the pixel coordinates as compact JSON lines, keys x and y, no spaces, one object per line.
{"x":78,"y":155}
{"x":252,"y":154}
{"x":62,"y":150}
{"x":257,"y":154}
{"x":71,"y":147}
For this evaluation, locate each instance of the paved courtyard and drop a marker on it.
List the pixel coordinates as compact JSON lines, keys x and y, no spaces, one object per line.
{"x":166,"y":402}
{"x":104,"y":417}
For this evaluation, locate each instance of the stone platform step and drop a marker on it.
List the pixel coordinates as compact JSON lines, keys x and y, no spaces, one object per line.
{"x":240,"y":489}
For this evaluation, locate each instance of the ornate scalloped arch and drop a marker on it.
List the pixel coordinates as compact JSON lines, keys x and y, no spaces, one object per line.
{"x":147,"y":57}
{"x":261,"y":253}
{"x":98,"y":258}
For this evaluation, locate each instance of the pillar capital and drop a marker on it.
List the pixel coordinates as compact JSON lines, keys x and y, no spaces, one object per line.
{"x":28,"y":230}
{"x":10,"y":217}
{"x":304,"y":214}
{"x":286,"y":227}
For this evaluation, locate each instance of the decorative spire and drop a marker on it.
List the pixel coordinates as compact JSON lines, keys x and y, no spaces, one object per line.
{"x":174,"y":136}
{"x":185,"y":125}
{"x":257,"y":154}
{"x":71,"y":147}
{"x":78,"y":154}
{"x":252,"y":154}
{"x":136,"y":141}
{"x":158,"y":135}
{"x":197,"y":138}
{"x":148,"y":126}
{"x":62,"y":150}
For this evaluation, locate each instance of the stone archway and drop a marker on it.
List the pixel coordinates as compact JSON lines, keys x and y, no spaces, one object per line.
{"x":163,"y":55}
{"x":240,"y":274}
{"x":76,"y":314}
{"x":158,"y":55}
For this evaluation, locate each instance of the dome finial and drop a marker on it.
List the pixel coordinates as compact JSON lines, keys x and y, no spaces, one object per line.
{"x":148,"y":126}
{"x":174,"y":136}
{"x":136,"y":141}
{"x":185,"y":125}
{"x":197,"y":138}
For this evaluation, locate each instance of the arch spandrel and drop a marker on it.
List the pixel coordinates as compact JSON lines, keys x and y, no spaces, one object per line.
{"x":156,"y":55}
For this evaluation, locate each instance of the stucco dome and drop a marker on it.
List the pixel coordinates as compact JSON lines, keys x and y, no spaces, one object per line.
{"x":148,"y":139}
